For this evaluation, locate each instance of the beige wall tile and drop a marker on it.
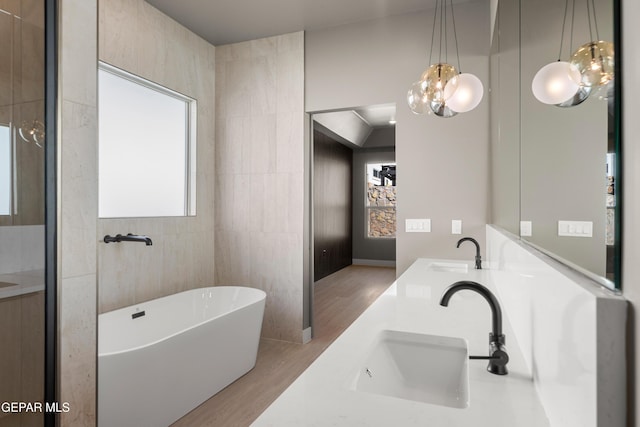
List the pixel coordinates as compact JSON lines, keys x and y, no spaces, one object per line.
{"x":77,"y":370}
{"x":263,"y":90}
{"x":262,"y":148}
{"x":290,"y":145}
{"x":172,"y":56}
{"x":77,"y":201}
{"x":79,"y":189}
{"x":120,"y":28}
{"x":78,"y":38}
{"x":260,"y":125}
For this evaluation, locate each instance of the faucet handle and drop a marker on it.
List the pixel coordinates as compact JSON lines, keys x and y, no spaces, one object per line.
{"x":498,"y":357}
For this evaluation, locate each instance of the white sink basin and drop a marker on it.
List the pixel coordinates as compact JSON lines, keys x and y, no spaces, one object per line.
{"x":448,"y":267}
{"x":423,"y":368}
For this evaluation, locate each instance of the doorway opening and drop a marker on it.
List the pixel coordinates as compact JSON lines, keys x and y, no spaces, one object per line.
{"x":353,"y":196}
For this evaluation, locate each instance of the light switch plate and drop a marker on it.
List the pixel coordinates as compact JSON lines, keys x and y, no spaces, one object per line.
{"x":575,"y":228}
{"x":456,"y":226}
{"x":526,"y":229}
{"x":417,"y":225}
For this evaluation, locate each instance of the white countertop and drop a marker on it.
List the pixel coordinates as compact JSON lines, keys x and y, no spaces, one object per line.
{"x":24,"y":282}
{"x":321,"y":396}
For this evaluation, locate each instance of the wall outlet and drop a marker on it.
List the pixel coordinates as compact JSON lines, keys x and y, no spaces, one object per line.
{"x":575,"y":228}
{"x":456,"y":226}
{"x":417,"y":225}
{"x":526,"y":229}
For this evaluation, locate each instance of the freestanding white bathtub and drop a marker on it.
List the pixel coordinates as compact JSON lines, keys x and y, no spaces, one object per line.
{"x":160,"y":359}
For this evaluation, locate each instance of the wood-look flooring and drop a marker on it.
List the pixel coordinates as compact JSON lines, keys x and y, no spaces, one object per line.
{"x":338,"y":300}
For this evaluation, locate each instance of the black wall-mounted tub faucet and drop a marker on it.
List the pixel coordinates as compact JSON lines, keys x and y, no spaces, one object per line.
{"x":128,"y":238}
{"x":498,"y":357}
{"x":475,"y":242}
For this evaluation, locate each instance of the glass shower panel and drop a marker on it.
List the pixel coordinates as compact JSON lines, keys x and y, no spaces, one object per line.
{"x":22,"y":232}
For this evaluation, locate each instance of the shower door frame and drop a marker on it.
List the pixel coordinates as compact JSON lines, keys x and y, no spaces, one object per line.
{"x":51,"y":217}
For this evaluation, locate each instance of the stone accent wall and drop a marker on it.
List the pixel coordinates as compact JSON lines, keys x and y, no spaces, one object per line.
{"x":382,"y":222}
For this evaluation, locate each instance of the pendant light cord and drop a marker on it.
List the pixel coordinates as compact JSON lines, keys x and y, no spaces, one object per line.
{"x":595,"y":19}
{"x":441,"y":7}
{"x":433,"y":32}
{"x":441,"y":15}
{"x":589,"y":20}
{"x":573,"y":16}
{"x":564,"y":20}
{"x":455,"y":36}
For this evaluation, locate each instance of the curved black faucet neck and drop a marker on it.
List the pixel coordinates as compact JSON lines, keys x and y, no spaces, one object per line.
{"x":498,"y":357}
{"x":496,"y":312}
{"x":478,"y":260}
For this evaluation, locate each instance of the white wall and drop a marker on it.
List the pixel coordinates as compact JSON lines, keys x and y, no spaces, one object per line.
{"x":375,"y":62}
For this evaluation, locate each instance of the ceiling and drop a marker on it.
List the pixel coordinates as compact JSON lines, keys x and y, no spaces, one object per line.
{"x":230,"y":21}
{"x":378,"y":116}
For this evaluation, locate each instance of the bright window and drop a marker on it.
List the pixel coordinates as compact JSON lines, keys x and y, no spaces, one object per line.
{"x":380,"y":201}
{"x":147,"y":148}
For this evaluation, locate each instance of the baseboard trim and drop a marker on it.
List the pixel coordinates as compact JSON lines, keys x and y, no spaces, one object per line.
{"x":374,"y":262}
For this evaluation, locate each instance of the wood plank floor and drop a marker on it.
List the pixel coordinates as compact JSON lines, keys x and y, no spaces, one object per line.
{"x":338,"y":300}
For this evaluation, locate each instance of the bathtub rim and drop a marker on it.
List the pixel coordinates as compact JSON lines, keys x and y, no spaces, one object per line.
{"x":263,"y":296}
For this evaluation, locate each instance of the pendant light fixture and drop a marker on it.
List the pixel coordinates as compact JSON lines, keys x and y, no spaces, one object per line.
{"x":589,"y":69}
{"x":442,"y":89}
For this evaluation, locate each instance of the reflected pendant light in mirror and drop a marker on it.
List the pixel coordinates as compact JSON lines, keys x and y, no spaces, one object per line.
{"x":567,"y":84}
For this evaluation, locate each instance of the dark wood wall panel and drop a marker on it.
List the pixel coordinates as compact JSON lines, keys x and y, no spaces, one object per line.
{"x":332,"y":182}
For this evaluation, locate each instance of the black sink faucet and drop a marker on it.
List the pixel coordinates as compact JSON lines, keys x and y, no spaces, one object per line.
{"x":475,"y":242}
{"x":498,"y":357}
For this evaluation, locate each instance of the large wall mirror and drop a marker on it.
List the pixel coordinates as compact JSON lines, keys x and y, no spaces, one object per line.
{"x":555,"y":168}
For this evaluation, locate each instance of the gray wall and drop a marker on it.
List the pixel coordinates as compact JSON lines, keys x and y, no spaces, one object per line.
{"x":365,"y":248}
{"x":343,"y":64}
{"x":381,"y":137}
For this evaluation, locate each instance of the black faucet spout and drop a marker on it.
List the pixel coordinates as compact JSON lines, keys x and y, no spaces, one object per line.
{"x":128,"y":238}
{"x":478,"y":263}
{"x":498,"y":357}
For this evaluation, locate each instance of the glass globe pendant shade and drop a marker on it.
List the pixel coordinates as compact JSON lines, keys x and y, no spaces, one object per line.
{"x":594,"y":61}
{"x":441,"y":109}
{"x":417,"y":99}
{"x":463,"y":93}
{"x":556,"y":83}
{"x":436,"y":78}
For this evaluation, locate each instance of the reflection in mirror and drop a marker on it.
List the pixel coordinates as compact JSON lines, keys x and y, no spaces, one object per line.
{"x":567,"y":161}
{"x":22,"y":199}
{"x":5,"y":170}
